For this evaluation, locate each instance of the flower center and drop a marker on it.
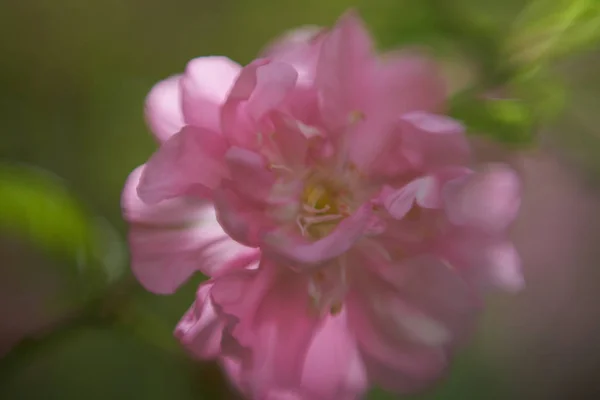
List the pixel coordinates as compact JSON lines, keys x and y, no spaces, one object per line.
{"x":324,"y":204}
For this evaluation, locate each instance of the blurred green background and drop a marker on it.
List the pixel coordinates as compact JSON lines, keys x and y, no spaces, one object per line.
{"x":73,"y":78}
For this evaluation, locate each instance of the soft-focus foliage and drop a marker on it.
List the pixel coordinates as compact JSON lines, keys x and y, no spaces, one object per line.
{"x":37,"y":208}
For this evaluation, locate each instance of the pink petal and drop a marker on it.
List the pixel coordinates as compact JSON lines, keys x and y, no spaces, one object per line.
{"x":249,"y":174}
{"x":243,"y":221}
{"x":300,"y":48}
{"x":430,"y":189}
{"x":408,"y":82}
{"x":290,"y":141}
{"x":300,"y":251}
{"x":435,"y":289}
{"x":233,"y":369}
{"x":406,"y":316}
{"x":487,"y":200}
{"x":174,"y":212}
{"x":269,"y":310}
{"x":261,"y":87}
{"x":416,"y":144}
{"x":345,"y":70}
{"x":163,"y":108}
{"x":205,"y":86}
{"x":173,"y":239}
{"x":486,"y":261}
{"x":424,"y":192}
{"x":375,"y":147}
{"x":200,"y":330}
{"x":398,"y":202}
{"x":333,"y":368}
{"x":190,"y":163}
{"x":391,"y":360}
{"x":433,"y":141}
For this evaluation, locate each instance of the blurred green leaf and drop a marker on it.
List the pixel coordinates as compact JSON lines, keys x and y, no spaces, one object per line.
{"x":153,"y":318}
{"x":548,"y":29}
{"x":94,"y":363}
{"x":37,"y":207}
{"x":508,"y":121}
{"x":545,"y":92}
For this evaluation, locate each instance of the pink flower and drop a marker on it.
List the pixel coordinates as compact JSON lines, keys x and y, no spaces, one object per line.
{"x":348,"y":242}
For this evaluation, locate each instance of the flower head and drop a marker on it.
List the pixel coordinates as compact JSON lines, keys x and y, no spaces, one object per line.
{"x":330,"y":201}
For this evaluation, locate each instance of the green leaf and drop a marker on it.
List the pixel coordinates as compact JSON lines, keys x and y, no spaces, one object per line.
{"x":548,"y":29}
{"x":37,"y":208}
{"x":98,"y":363}
{"x":509,"y":121}
{"x":153,"y":318}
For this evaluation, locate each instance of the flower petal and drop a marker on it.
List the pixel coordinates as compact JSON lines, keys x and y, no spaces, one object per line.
{"x":244,"y":222}
{"x":345,"y":70}
{"x":249,"y":174}
{"x":173,"y":239}
{"x":270,"y":315}
{"x":163,"y":108}
{"x":406,"y":82}
{"x":416,"y":144}
{"x":261,"y":87}
{"x":487,"y":261}
{"x":333,"y":368}
{"x":303,"y":253}
{"x":204,"y":86}
{"x":290,"y":142}
{"x":433,"y":141}
{"x":299,"y":48}
{"x":177,"y":212}
{"x":190,"y":163}
{"x":434,"y":289}
{"x":406,"y":317}
{"x":488,"y":200}
{"x":398,"y":202}
{"x":392,"y":361}
{"x":200,"y":330}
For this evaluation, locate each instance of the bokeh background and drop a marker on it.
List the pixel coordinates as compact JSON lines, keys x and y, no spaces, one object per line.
{"x":73,"y":78}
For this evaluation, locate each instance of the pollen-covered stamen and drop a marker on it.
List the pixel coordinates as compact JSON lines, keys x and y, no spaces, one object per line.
{"x":322,"y":207}
{"x":313,"y":210}
{"x":279,"y":167}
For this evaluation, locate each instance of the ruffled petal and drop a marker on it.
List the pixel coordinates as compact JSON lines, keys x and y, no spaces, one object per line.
{"x":488,"y":200}
{"x":344,"y":72}
{"x":407,"y":82}
{"x":204,"y":87}
{"x":300,"y":48}
{"x":243,"y":221}
{"x":333,"y":368}
{"x":432,"y":141}
{"x":306,"y":254}
{"x":487,"y":261}
{"x":163,"y":108}
{"x":250,"y":176}
{"x":405,"y":318}
{"x":270,"y":315}
{"x":190,"y":163}
{"x":173,"y":239}
{"x":200,"y":330}
{"x":392,"y":360}
{"x":261,"y":87}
